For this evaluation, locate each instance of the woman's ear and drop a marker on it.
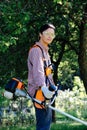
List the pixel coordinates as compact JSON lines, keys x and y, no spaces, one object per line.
{"x":40,"y":34}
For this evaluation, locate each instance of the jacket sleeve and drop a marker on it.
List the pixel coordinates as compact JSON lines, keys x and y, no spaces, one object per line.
{"x":36,"y":59}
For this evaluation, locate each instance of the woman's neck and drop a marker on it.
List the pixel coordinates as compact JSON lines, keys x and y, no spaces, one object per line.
{"x":43,"y":43}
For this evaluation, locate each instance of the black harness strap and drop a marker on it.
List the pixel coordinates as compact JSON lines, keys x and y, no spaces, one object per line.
{"x":45,"y":64}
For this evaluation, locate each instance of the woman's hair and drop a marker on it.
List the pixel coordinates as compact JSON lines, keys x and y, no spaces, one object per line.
{"x":45,"y":27}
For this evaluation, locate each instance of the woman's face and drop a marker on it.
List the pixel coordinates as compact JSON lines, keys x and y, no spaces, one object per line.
{"x":47,"y":36}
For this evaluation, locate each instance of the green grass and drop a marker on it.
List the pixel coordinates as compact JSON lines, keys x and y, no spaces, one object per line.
{"x":68,"y":125}
{"x":61,"y":125}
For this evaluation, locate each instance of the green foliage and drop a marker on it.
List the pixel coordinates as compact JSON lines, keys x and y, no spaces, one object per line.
{"x":74,"y":102}
{"x":66,"y":74}
{"x":16,"y":112}
{"x":19,"y":25}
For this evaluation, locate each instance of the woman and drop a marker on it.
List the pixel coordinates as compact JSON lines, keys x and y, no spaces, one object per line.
{"x":39,"y":78}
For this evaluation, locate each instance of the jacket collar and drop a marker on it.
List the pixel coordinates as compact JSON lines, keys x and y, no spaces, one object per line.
{"x":42,"y":46}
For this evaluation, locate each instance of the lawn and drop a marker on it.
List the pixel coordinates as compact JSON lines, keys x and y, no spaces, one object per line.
{"x":61,"y":125}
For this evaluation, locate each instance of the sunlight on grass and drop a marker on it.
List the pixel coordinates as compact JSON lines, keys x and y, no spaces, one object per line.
{"x":68,"y":126}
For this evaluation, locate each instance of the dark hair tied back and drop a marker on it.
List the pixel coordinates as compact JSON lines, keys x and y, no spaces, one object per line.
{"x":46,"y":26}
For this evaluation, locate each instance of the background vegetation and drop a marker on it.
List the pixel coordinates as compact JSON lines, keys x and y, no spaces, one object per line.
{"x":19,"y":25}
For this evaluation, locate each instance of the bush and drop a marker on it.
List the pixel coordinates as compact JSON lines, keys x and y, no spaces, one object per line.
{"x":73,"y":102}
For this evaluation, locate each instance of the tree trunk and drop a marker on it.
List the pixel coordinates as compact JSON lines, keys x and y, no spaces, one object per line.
{"x":55,"y":76}
{"x":83,"y":49}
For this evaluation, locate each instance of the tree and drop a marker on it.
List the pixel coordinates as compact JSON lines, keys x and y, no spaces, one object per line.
{"x":83,"y":49}
{"x":20,"y":22}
